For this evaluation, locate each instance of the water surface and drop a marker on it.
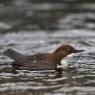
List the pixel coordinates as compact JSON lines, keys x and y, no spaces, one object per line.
{"x":78,"y":79}
{"x":22,"y":29}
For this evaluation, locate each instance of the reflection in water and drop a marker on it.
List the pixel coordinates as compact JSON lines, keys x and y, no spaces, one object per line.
{"x":37,"y":82}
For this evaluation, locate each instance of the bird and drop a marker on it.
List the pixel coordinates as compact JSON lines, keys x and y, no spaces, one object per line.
{"x":40,"y":61}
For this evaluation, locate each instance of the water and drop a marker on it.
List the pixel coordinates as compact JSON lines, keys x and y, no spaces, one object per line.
{"x":79,"y":79}
{"x":75,"y":28}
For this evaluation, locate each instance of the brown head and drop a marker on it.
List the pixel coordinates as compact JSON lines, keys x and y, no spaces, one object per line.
{"x":67,"y":48}
{"x":63,"y":51}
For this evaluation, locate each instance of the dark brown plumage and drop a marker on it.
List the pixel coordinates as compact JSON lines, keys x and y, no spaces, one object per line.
{"x":41,"y":61}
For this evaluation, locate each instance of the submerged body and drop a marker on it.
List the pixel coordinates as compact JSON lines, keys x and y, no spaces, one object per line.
{"x":41,"y":61}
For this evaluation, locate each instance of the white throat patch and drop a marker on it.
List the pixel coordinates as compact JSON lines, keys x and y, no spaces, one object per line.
{"x":64,"y":62}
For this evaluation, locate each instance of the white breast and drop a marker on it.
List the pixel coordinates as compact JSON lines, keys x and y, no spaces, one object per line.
{"x":64,"y":62}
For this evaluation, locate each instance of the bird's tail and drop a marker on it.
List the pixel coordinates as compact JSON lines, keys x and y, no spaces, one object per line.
{"x":14,"y":55}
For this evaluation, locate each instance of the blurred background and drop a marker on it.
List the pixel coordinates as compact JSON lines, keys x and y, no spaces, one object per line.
{"x":18,"y":15}
{"x":33,"y":26}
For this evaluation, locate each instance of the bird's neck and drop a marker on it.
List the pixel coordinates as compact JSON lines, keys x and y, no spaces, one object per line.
{"x":59,"y":56}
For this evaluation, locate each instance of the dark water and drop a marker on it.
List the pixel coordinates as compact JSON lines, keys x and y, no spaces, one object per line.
{"x":45,"y":33}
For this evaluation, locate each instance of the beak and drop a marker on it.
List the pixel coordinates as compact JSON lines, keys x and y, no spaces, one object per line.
{"x":77,"y":51}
